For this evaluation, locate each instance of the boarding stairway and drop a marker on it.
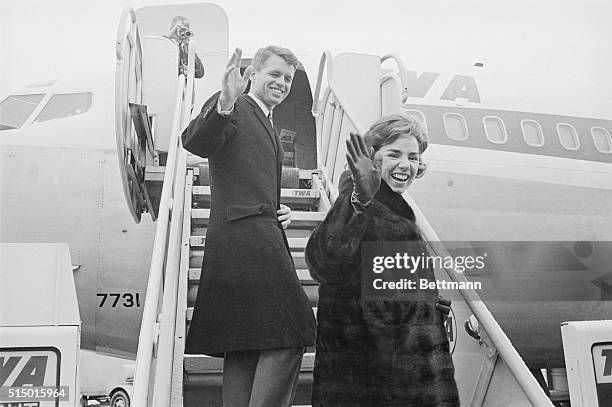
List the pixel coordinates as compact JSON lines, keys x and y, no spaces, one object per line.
{"x":301,"y":191}
{"x":173,"y":188}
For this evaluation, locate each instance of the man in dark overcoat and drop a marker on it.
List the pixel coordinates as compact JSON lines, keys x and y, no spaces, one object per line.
{"x":250,"y":307}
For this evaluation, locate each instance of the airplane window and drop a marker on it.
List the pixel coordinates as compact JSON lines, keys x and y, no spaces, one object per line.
{"x":568,"y":136}
{"x":65,"y":105}
{"x":15,"y":109}
{"x":455,"y":126}
{"x":495,"y":130}
{"x":602,"y":139}
{"x":532,"y":133}
{"x":418,"y":116}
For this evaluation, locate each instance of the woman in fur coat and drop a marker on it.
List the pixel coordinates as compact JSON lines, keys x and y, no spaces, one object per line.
{"x":377,"y":353}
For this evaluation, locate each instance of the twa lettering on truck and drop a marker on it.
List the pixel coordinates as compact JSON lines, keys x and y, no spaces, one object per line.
{"x":29,"y":367}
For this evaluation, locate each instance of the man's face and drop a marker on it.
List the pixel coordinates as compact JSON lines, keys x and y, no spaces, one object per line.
{"x":272,"y":83}
{"x":180,"y":26}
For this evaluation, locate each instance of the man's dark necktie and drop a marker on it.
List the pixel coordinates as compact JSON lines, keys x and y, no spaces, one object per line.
{"x":271,"y":121}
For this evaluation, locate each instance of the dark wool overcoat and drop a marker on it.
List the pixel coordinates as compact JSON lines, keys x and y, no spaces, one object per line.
{"x":249,"y":296}
{"x":374,"y":353}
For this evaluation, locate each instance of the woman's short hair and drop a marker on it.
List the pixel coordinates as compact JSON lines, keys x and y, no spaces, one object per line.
{"x":387,"y":129}
{"x":262,"y":55}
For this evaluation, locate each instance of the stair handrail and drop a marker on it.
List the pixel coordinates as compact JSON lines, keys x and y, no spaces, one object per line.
{"x":502,"y":343}
{"x":506,"y":350}
{"x":327,"y":61}
{"x":165,"y":347}
{"x":402,"y":73}
{"x":149,"y":326}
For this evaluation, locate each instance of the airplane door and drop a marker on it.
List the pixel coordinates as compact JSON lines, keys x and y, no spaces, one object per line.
{"x":209,"y":26}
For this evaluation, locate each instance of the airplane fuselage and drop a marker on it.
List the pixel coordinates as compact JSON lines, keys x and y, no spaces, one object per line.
{"x":60,"y":183}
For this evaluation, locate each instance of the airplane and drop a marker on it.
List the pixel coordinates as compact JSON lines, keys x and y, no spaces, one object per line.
{"x":497,"y":173}
{"x":59,"y":172}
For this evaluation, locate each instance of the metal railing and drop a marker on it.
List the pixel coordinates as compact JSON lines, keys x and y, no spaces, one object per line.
{"x":159,"y":327}
{"x":506,"y":350}
{"x":149,"y":328}
{"x":401,"y":72}
{"x":346,"y":112}
{"x":504,"y":347}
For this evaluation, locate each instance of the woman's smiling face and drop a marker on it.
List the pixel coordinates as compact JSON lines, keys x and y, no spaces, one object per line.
{"x":400,"y":162}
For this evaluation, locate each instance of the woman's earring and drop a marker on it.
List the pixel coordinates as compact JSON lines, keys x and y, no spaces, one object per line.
{"x":421,"y":170}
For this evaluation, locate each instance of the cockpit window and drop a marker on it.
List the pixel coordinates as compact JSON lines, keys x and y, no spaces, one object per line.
{"x":65,"y":105}
{"x":15,"y":109}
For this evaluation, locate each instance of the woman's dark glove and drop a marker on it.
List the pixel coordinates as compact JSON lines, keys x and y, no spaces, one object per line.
{"x":443,"y":305}
{"x":365,"y":173}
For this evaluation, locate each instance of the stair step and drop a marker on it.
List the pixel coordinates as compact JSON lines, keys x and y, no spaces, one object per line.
{"x":209,"y":364}
{"x":299,"y":260}
{"x":196,"y":256}
{"x":303,"y":275}
{"x":299,"y":219}
{"x":203,"y":387}
{"x":288,"y":195}
{"x":195,"y":160}
{"x":295,"y":243}
{"x":189,"y":313}
{"x":302,"y":174}
{"x":310,"y":288}
{"x":155,"y":173}
{"x":311,"y":291}
{"x":290,"y":177}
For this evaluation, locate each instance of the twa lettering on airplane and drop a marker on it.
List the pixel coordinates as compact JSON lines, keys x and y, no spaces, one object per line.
{"x":459,"y":87}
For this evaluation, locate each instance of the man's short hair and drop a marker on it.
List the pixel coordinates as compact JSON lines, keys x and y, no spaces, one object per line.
{"x":262,"y":55}
{"x":177,"y":19}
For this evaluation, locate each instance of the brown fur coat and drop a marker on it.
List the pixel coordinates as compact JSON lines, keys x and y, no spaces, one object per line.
{"x":375,"y":353}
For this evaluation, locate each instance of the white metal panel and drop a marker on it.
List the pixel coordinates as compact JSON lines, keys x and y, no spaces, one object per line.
{"x":504,"y":390}
{"x":159,"y":71}
{"x":56,"y":348}
{"x":583,"y":342}
{"x":357,"y":77}
{"x":36,"y":285}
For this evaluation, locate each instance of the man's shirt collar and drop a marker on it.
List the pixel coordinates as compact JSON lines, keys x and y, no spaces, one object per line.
{"x":261,"y":104}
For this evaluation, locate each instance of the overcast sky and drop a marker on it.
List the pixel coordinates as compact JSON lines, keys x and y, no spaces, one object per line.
{"x":566,"y":39}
